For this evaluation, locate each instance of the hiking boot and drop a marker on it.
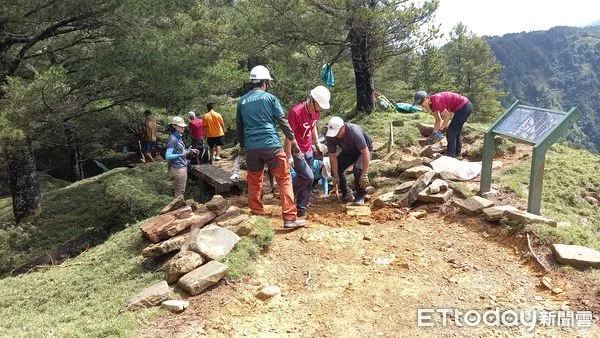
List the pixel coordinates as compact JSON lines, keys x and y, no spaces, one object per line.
{"x":349,"y":197}
{"x":359,"y":201}
{"x":294,"y":223}
{"x":302,"y":212}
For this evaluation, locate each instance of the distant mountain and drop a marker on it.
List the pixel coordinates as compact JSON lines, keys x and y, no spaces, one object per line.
{"x":557,"y":69}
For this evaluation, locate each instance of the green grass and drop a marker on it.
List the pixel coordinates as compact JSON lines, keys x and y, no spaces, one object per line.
{"x":82,"y":297}
{"x":569,"y":176}
{"x":108,"y":202}
{"x":377,"y":126}
{"x":248,"y":248}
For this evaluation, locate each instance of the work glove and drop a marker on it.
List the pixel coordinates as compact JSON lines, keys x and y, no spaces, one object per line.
{"x":336,"y":180}
{"x":295,"y":148}
{"x":364,"y":180}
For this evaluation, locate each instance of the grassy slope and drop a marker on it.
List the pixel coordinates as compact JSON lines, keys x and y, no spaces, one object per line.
{"x":82,"y":297}
{"x":569,"y":175}
{"x":107,"y":202}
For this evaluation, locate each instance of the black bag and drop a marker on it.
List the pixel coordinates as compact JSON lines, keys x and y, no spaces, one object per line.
{"x":204,"y":155}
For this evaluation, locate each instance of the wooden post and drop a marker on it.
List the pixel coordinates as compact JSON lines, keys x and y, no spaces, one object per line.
{"x":391,"y":140}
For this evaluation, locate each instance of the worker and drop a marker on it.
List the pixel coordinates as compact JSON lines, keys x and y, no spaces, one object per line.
{"x":258,"y":113}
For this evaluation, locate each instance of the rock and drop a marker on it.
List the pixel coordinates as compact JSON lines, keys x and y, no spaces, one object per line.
{"x":473,"y":205}
{"x":175,"y":204}
{"x":364,"y":222}
{"x":214,"y":242}
{"x":430,"y":150}
{"x":201,"y":209}
{"x":524,"y":217}
{"x":370,"y":190}
{"x":592,"y":200}
{"x":420,"y":185}
{"x":192,"y":204}
{"x":233,"y":221}
{"x":191,"y":236}
{"x":495,"y":214}
{"x":244,"y":228}
{"x":437,"y":185}
{"x":181,"y":264}
{"x":268,"y":292}
{"x":576,"y":255}
{"x":203,"y":277}
{"x":418,"y":214}
{"x":230,"y":213}
{"x":404,"y":187}
{"x":398,"y":123}
{"x":425,"y":129}
{"x":407,"y":163}
{"x":158,"y":263}
{"x":216,"y":203}
{"x":162,"y":248}
{"x":441,"y":197}
{"x":358,"y":210}
{"x":167,"y":225}
{"x":384,"y":200}
{"x":151,"y":296}
{"x":175,"y":305}
{"x":416,"y":172}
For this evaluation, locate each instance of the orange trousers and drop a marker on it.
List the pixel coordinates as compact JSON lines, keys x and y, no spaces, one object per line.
{"x":286,"y":192}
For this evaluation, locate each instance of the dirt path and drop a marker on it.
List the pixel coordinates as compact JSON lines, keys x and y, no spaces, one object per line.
{"x":369,"y":280}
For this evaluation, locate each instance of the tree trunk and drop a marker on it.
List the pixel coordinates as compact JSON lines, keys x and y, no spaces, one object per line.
{"x":360,"y":44}
{"x":24,"y":185}
{"x":76,"y":171}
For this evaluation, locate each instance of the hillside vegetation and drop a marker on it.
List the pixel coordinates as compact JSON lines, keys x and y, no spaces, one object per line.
{"x":557,"y":69}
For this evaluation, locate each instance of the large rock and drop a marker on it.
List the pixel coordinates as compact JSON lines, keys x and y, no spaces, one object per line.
{"x":176,"y":305}
{"x":473,"y":205}
{"x":576,"y":255}
{"x":425,"y":129}
{"x":214,"y":242}
{"x":216,"y":203}
{"x":151,"y":296}
{"x":358,"y":210}
{"x":162,"y":248}
{"x":418,"y":171}
{"x":495,"y":214}
{"x":244,"y":228}
{"x":175,"y":204}
{"x":430,"y":150}
{"x":384,"y":200}
{"x":420,"y":185}
{"x":181,"y":264}
{"x":524,"y":217}
{"x":407,"y":163}
{"x":442,"y":197}
{"x":437,"y":185}
{"x":183,"y":212}
{"x":166,"y":226}
{"x":231,"y":212}
{"x":404,"y":187}
{"x":232,"y":221}
{"x":203,"y":277}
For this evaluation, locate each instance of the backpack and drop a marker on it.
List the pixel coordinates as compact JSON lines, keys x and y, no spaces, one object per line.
{"x":204,"y":156}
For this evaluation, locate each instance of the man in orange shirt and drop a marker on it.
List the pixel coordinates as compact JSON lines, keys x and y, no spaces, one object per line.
{"x":214,"y":125}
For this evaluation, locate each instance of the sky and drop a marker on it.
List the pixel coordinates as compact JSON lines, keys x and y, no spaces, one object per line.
{"x":499,"y":17}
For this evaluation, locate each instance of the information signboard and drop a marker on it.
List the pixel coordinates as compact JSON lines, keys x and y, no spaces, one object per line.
{"x":529,"y":123}
{"x":536,"y":126}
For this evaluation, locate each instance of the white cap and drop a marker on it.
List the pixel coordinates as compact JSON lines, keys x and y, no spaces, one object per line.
{"x":192,"y":114}
{"x":333,"y":126}
{"x":178,"y":121}
{"x":259,"y":73}
{"x":322,"y":95}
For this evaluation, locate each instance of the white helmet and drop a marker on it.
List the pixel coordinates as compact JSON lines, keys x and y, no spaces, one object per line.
{"x":191,"y":114}
{"x":259,"y":73}
{"x":322,"y":95}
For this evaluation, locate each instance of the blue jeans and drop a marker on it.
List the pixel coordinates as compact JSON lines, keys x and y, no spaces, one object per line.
{"x":304,"y":179}
{"x":455,"y":127}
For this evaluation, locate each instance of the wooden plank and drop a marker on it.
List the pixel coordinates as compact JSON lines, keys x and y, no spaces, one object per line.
{"x":216,"y":177}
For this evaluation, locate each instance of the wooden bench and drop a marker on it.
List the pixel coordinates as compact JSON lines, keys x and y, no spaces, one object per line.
{"x":217,"y":178}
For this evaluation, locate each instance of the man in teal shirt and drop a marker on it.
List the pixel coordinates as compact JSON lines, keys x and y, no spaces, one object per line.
{"x":257,"y":113}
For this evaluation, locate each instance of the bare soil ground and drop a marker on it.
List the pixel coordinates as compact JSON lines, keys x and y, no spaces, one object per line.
{"x":369,"y":280}
{"x":339,"y":277}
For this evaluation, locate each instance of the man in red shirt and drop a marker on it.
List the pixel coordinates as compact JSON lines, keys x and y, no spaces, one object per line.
{"x":196,"y":126}
{"x":303,"y":119}
{"x":451,"y":106}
